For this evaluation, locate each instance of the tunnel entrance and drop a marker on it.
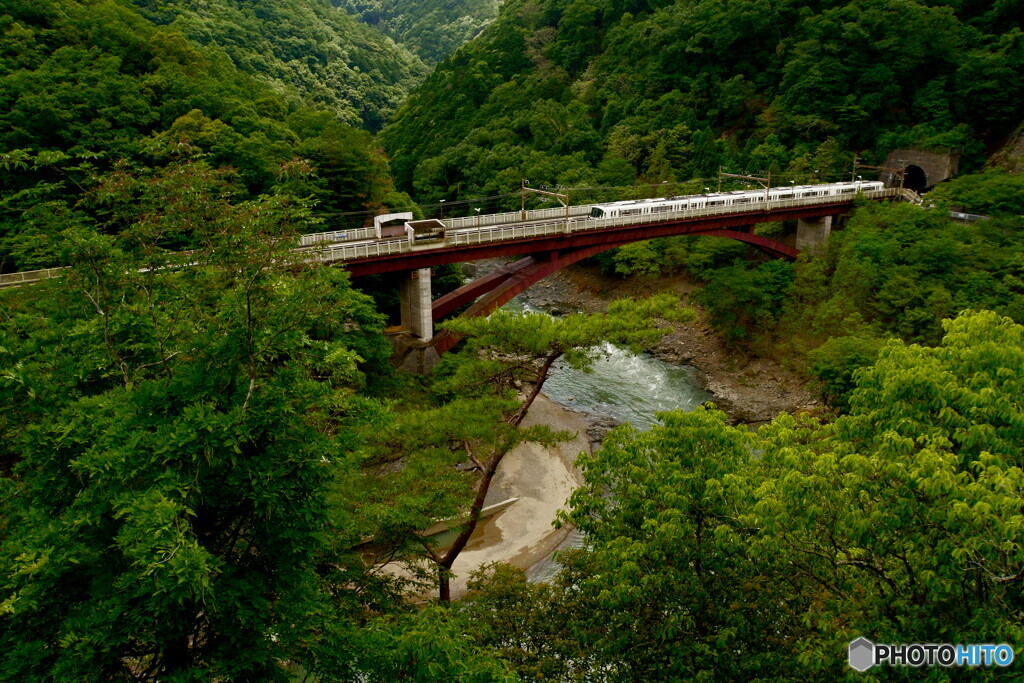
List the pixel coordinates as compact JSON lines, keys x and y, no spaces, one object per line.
{"x":915,"y":178}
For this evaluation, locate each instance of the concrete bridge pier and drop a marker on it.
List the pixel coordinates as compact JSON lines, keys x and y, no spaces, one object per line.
{"x":812,"y":233}
{"x":413,"y":353}
{"x":415,"y":296}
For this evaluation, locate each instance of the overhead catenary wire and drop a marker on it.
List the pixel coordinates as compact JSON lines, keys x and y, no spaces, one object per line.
{"x":448,"y":204}
{"x":580,"y":195}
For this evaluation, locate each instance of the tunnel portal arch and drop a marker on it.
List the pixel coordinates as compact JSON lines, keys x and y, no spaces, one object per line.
{"x":915,"y":178}
{"x":923,"y":169}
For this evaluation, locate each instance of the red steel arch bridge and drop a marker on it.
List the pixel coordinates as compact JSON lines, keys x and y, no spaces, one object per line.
{"x":551,"y":239}
{"x":547,"y":240}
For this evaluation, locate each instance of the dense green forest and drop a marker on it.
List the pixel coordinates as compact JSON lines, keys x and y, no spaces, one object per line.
{"x":91,"y":86}
{"x":191,"y":461}
{"x":304,"y":48}
{"x":601,"y":92}
{"x":431,"y":29}
{"x":720,"y":554}
{"x":207,"y":455}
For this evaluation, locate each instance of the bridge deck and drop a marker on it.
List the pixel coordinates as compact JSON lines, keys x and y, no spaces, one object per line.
{"x":528,"y":237}
{"x":471,"y":238}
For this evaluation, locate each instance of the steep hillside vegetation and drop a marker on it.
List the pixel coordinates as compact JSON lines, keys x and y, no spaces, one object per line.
{"x":1010,"y":156}
{"x":432,"y":29}
{"x":304,"y":47}
{"x":602,"y":91}
{"x":89,"y":86}
{"x":206,"y":456}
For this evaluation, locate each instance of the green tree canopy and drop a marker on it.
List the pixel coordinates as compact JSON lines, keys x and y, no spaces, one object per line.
{"x":430,"y":29}
{"x":677,"y":88}
{"x":91,"y":85}
{"x":170,"y":440}
{"x":713,"y":552}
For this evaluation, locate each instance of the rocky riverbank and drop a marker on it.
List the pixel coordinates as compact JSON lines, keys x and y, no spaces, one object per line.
{"x":750,"y":390}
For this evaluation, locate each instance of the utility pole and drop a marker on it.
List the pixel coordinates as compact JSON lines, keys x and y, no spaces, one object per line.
{"x":765,"y":182}
{"x":896,"y":172}
{"x":564,"y":198}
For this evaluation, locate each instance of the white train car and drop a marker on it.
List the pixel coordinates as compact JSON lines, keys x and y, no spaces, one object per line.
{"x":737,"y":198}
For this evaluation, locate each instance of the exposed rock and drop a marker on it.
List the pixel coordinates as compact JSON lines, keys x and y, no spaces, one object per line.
{"x":1011,"y":155}
{"x":599,"y":427}
{"x":748,"y":389}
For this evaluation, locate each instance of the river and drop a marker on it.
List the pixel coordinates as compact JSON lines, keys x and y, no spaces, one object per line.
{"x":623,"y":386}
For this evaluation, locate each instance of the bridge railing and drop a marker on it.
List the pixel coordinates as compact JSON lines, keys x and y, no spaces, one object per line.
{"x":29,"y":277}
{"x":347,"y":252}
{"x":910,"y":196}
{"x":499,"y":234}
{"x":515,"y":217}
{"x":470,"y":222}
{"x":337,"y":236}
{"x":344,"y":251}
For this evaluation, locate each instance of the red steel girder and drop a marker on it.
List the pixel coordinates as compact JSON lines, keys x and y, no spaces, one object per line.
{"x":471,"y":291}
{"x":501,"y":286}
{"x":610,"y":237}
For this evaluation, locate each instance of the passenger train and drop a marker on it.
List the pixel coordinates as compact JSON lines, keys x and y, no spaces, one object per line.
{"x":427,"y":231}
{"x":642,"y":207}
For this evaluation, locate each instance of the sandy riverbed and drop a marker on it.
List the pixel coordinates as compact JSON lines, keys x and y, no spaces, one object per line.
{"x":543,"y":479}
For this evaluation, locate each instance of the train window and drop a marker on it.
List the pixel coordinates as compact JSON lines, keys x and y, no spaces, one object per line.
{"x":785,"y":196}
{"x":597,"y":212}
{"x":629,"y":212}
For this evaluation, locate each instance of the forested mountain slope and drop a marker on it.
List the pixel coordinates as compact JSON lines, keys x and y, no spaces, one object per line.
{"x":206,"y":455}
{"x":87,"y":86}
{"x":432,"y":29}
{"x":302,"y":46}
{"x":600,"y":91}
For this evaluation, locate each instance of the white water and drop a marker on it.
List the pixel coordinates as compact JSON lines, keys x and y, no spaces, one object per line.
{"x":626,"y":386}
{"x":623,"y":385}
